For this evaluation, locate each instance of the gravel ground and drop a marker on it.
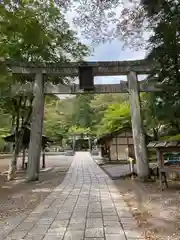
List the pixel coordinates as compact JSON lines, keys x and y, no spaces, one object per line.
{"x":157,"y":212}
{"x":18,"y":196}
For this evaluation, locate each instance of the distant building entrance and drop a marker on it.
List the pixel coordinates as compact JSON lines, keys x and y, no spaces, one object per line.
{"x":81,"y":142}
{"x":82,"y":145}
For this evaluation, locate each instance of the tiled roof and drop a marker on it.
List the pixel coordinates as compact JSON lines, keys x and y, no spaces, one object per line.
{"x":164,"y":144}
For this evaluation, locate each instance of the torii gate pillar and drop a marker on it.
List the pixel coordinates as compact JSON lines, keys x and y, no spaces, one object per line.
{"x":36,"y":129}
{"x":137,"y":127}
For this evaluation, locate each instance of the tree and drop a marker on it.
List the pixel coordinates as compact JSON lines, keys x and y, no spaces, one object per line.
{"x":82,"y":115}
{"x":5,"y":125}
{"x":115,"y":117}
{"x":73,"y":130}
{"x":152,"y":114}
{"x":55,"y":124}
{"x":100,"y":103}
{"x":107,"y":20}
{"x":164,"y":48}
{"x":44,"y":21}
{"x":18,"y":109}
{"x":36,"y":31}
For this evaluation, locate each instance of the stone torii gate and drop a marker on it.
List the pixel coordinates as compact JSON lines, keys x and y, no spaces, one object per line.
{"x":73,"y":69}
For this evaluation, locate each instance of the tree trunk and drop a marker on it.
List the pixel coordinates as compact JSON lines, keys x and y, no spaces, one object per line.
{"x":74,"y":144}
{"x":36,"y":129}
{"x":23,"y":148}
{"x":18,"y":140}
{"x":23,"y":158}
{"x":38,"y":163}
{"x":89,"y":144}
{"x":137,"y":127}
{"x":155,"y":134}
{"x":13,"y":161}
{"x":12,"y":131}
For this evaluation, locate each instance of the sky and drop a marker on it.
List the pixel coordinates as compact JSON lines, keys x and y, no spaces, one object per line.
{"x":110,"y":51}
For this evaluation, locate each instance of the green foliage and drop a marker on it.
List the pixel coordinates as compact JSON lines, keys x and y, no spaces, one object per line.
{"x":61,"y":117}
{"x":165,"y":53}
{"x":98,"y":114}
{"x":86,"y":114}
{"x":2,"y":144}
{"x":82,"y":115}
{"x":55,"y":126}
{"x":116,"y":116}
{"x":35,"y":31}
{"x":162,"y":108}
{"x":100,"y":102}
{"x":99,"y":105}
{"x":78,"y":130}
{"x":171,"y":138}
{"x":152,"y":113}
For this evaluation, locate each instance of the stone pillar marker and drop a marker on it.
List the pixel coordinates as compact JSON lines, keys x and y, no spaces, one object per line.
{"x":36,"y":129}
{"x":137,"y":127}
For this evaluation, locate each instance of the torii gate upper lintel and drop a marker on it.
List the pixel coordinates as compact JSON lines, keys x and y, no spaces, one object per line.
{"x":71,"y":69}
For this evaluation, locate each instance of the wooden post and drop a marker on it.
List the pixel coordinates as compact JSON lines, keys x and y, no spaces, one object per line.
{"x":137,"y":127}
{"x":117,"y":148}
{"x":43,"y":159}
{"x":89,"y":144}
{"x":23,"y":157}
{"x":162,"y":172}
{"x":74,"y":143}
{"x":159,"y":164}
{"x":36,"y":129}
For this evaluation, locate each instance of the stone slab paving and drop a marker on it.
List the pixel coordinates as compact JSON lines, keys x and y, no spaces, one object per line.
{"x":85,"y":206}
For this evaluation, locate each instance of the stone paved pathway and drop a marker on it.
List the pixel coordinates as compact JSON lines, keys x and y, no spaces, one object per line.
{"x":86,"y":206}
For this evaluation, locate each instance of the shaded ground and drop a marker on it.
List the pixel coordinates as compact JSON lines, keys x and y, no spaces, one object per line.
{"x":158,"y":213}
{"x":115,"y":169}
{"x":18,"y":196}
